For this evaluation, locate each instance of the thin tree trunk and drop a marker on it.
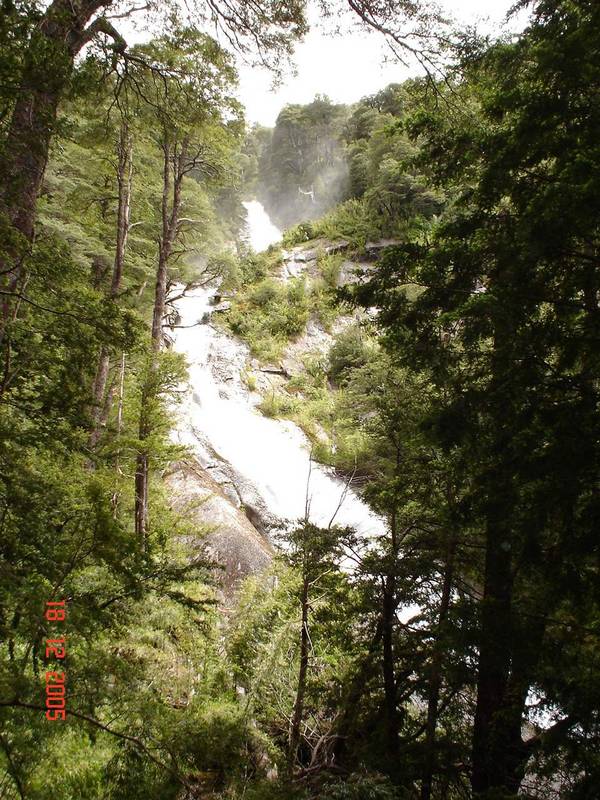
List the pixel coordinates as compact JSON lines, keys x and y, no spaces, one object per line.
{"x":294,"y":737}
{"x":141,"y":494}
{"x":98,"y":391}
{"x":124,"y":183}
{"x":121,"y":393}
{"x":174,"y":170}
{"x":389,"y":676}
{"x":121,"y":397}
{"x":388,"y":619}
{"x":435,"y":679}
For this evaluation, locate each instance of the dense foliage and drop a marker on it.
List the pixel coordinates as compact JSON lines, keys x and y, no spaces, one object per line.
{"x":322,"y":153}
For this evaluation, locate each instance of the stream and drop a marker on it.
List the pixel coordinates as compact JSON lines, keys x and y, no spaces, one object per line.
{"x":262,"y":464}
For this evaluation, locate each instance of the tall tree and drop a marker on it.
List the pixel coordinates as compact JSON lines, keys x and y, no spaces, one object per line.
{"x":197,"y":122}
{"x":507,"y":324}
{"x":124,"y":178}
{"x":316,"y":553}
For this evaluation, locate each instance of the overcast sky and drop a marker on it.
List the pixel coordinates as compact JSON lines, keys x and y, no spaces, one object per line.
{"x":345,"y":67}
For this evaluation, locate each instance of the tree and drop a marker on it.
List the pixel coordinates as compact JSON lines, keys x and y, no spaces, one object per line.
{"x":506,"y":325}
{"x":193,"y":137}
{"x":410,"y":572}
{"x":315,"y":553}
{"x":124,"y":177}
{"x":52,"y":38}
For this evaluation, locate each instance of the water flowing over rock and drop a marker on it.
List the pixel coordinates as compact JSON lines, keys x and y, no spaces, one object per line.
{"x":261,"y":231}
{"x":260,"y":466}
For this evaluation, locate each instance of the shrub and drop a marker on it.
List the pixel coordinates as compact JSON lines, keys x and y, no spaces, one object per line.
{"x":351,"y":349}
{"x":265,"y":292}
{"x":330,"y":267}
{"x":256,"y":266}
{"x":299,"y":234}
{"x":277,"y":405}
{"x":249,"y":378}
{"x":363,"y":787}
{"x":351,"y":220}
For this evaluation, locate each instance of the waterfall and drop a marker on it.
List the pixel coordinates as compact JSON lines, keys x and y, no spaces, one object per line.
{"x":266,"y":460}
{"x":261,"y":231}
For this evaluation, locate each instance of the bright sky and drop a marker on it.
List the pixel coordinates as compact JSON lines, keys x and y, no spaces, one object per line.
{"x":349,"y":66}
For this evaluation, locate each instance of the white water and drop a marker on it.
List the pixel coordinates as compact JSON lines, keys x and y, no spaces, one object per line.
{"x":261,"y":231}
{"x":268,"y":460}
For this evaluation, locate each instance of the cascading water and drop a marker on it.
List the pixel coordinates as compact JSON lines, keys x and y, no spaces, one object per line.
{"x":261,"y":231}
{"x":266,"y":460}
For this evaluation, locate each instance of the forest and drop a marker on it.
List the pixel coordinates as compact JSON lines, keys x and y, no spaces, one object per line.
{"x":317,"y":521}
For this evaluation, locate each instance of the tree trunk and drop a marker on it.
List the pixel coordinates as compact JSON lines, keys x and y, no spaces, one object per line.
{"x":98,"y":391}
{"x":118,"y":472}
{"x":141,"y":496}
{"x":174,"y":170}
{"x":494,"y":730}
{"x":389,"y":676}
{"x":47,"y":68}
{"x":160,"y":298}
{"x":175,"y":161}
{"x":294,"y":738}
{"x":435,"y":678}
{"x":124,"y":183}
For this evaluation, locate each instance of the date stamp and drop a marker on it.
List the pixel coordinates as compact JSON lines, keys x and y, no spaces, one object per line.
{"x":56,"y":649}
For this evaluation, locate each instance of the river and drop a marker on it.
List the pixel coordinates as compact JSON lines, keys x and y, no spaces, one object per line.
{"x":267,"y":461}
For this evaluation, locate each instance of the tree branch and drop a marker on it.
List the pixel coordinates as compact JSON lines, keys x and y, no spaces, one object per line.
{"x":102,"y":25}
{"x":96,"y":723}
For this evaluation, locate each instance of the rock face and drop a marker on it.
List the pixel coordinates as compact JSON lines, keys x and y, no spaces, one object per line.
{"x":374,"y":250}
{"x":232,"y":540}
{"x":303,"y":258}
{"x":315,"y":341}
{"x":318,"y":247}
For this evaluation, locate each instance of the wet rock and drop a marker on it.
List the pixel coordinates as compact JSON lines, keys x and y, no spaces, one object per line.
{"x":219,"y":297}
{"x":373,"y":250}
{"x":337,"y":247}
{"x":300,"y":258}
{"x":354,"y":272}
{"x":233,"y":541}
{"x":315,"y":341}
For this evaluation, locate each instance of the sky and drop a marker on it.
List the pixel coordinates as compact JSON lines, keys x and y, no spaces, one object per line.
{"x":348,"y":67}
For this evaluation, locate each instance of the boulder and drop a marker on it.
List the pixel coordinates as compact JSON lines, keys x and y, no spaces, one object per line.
{"x":224,"y":530}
